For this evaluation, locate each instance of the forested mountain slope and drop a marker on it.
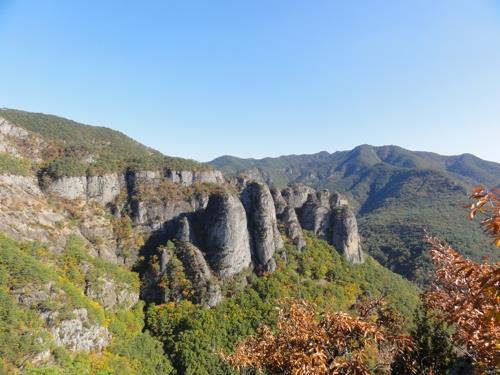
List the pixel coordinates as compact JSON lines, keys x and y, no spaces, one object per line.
{"x":397,"y":194}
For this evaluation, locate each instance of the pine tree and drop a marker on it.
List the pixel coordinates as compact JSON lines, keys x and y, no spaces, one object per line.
{"x":432,"y":348}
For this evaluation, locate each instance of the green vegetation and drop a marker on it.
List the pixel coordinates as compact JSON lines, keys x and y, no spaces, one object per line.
{"x":168,"y":191}
{"x":174,"y":283}
{"x":35,"y":280}
{"x":192,"y":335}
{"x":13,"y":165}
{"x":65,"y":167}
{"x":75,"y":149}
{"x":433,"y":352}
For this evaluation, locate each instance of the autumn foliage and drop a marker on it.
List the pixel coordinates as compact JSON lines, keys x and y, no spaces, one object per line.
{"x":331,"y":343}
{"x":467,"y":295}
{"x":487,"y":203}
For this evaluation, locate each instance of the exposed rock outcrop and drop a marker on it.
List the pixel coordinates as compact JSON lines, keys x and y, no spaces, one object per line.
{"x":345,"y":235}
{"x":262,"y":224}
{"x":111,"y":294}
{"x":280,"y":203}
{"x":78,"y":334}
{"x":328,"y":216}
{"x":68,"y":187}
{"x":106,"y":188}
{"x":206,"y":289}
{"x":184,"y":178}
{"x":226,"y":239}
{"x":95,"y":227}
{"x":287,"y":216}
{"x":295,"y":196}
{"x":152,"y":214}
{"x":18,"y":142}
{"x":103,"y":189}
{"x":315,"y":214}
{"x":292,"y":227}
{"x":26,"y":215}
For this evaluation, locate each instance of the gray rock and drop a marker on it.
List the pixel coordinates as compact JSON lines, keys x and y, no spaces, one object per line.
{"x":295,"y":196}
{"x":14,"y":141}
{"x":77,"y":334}
{"x":111,"y":294}
{"x":137,"y":178}
{"x":262,"y":224}
{"x":226,"y":235}
{"x":11,"y":130}
{"x":206,"y":289}
{"x":98,"y":231}
{"x":279,"y":202}
{"x":214,"y":177}
{"x":164,"y":259}
{"x":26,"y":215}
{"x":41,"y":358}
{"x":315,"y":215}
{"x":153,"y":214}
{"x":338,"y":200}
{"x":345,"y":235}
{"x":187,"y":178}
{"x":32,"y":296}
{"x":68,"y":187}
{"x":26,"y":183}
{"x":292,"y":227}
{"x":184,"y":231}
{"x":104,"y":189}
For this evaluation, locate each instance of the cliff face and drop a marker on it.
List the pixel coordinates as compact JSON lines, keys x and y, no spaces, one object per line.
{"x":327,"y":215}
{"x":345,"y":236}
{"x":262,"y":224}
{"x":226,"y":237}
{"x":235,"y":227}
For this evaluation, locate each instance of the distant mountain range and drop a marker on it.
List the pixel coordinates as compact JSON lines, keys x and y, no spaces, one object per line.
{"x":397,"y":193}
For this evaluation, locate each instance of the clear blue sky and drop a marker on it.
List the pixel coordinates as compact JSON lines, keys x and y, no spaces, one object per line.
{"x":255,"y":78}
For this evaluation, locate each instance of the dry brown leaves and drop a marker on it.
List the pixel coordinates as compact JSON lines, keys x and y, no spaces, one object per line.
{"x":468,"y":296}
{"x":332,"y":343}
{"x":487,"y":203}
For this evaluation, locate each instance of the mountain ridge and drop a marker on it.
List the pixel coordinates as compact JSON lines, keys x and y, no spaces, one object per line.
{"x":450,"y":163}
{"x":391,"y":187}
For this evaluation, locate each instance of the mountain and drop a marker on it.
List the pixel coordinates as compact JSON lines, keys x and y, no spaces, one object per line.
{"x":65,"y":147}
{"x":116,"y":259}
{"x":396,"y":193}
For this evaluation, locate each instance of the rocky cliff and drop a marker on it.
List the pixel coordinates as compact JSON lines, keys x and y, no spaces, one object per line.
{"x":262,"y":224}
{"x":327,"y":215}
{"x":215,"y":230}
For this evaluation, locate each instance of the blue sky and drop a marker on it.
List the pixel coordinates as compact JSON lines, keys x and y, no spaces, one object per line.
{"x":201,"y":79}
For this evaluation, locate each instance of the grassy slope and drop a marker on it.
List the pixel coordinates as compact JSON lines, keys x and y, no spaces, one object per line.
{"x":398,"y":193}
{"x":72,"y":142}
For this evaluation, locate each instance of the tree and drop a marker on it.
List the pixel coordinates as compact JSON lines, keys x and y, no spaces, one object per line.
{"x":487,"y":203}
{"x":467,"y":295}
{"x":433,"y":352}
{"x":331,"y":343}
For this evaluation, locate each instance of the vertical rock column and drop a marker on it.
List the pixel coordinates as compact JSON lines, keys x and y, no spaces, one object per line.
{"x":227,"y":241}
{"x":262,"y":224}
{"x":288,"y":218}
{"x":345,"y":236}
